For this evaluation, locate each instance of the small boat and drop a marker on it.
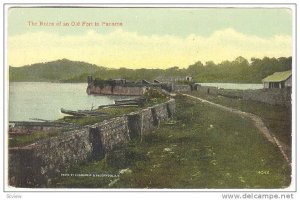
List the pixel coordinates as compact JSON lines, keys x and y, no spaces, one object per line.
{"x":137,"y":101}
{"x":83,"y":112}
{"x":117,"y":106}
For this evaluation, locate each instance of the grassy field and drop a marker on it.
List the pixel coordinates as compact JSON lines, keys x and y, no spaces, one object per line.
{"x":201,"y":147}
{"x":276,"y":118}
{"x":23,"y":140}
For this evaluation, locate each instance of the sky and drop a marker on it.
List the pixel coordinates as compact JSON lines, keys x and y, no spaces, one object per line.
{"x":146,"y":37}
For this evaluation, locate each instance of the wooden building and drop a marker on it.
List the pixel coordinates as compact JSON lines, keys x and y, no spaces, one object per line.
{"x":278,"y":80}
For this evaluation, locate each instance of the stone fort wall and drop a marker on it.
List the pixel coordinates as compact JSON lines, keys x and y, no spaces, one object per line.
{"x":273,"y":96}
{"x":37,"y":164}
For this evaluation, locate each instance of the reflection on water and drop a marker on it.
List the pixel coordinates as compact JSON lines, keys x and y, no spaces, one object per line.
{"x":43,"y":100}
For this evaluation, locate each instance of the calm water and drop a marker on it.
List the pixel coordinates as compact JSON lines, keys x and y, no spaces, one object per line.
{"x":43,"y":100}
{"x":234,"y":86}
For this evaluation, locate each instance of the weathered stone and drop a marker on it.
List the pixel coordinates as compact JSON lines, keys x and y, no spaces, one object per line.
{"x":134,"y":124}
{"x":113,"y":132}
{"x":116,"y":90}
{"x":37,"y":164}
{"x":171,"y":106}
{"x":181,"y":88}
{"x":207,"y":90}
{"x":274,"y":96}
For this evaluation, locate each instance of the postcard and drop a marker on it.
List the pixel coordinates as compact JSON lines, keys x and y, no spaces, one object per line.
{"x":150,"y":98}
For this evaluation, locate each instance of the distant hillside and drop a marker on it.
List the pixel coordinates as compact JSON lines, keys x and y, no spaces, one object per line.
{"x":54,"y":71}
{"x":239,"y":70}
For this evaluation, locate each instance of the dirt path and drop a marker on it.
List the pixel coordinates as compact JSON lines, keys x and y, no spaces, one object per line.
{"x":258,"y":123}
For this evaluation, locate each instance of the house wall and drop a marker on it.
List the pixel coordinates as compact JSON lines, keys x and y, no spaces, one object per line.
{"x":288,"y":82}
{"x":266,"y":84}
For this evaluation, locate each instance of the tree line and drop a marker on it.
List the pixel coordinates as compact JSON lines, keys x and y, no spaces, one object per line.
{"x":239,"y":70}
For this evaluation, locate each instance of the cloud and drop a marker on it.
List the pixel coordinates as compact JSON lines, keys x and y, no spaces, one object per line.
{"x":129,"y":49}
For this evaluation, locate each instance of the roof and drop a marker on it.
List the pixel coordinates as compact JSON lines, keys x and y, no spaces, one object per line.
{"x":278,"y":76}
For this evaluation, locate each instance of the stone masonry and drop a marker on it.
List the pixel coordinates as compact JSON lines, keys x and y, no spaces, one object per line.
{"x":35,"y":165}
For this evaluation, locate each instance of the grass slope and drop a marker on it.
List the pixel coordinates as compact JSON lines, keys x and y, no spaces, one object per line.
{"x":202,"y":147}
{"x":277,"y":118}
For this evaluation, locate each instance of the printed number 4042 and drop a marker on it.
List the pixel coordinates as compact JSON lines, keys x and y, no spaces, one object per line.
{"x":264,"y":172}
